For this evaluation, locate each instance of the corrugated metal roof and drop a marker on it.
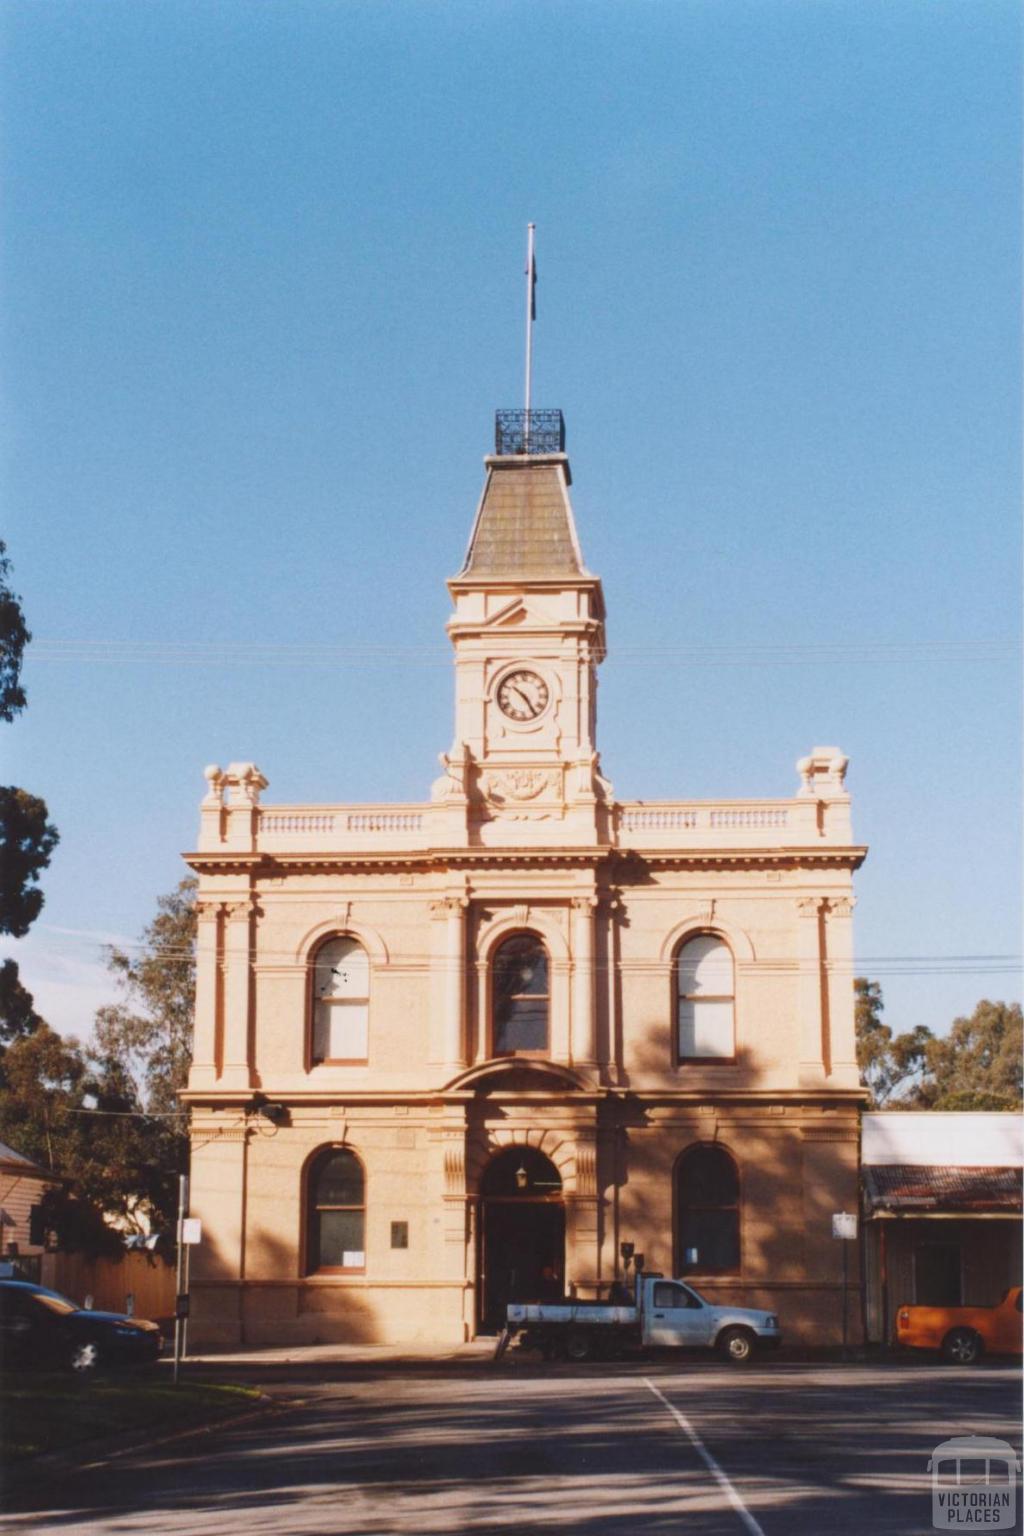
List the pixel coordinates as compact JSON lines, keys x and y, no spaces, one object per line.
{"x":11,"y":1159}
{"x":524,"y":527}
{"x":903,"y":1187}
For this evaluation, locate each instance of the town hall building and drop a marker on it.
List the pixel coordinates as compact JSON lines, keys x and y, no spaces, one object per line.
{"x":460,"y":1051}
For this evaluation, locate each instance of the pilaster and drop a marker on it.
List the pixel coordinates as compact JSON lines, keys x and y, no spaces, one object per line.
{"x":810,"y":917}
{"x":205,"y":1027}
{"x":842,"y":1065}
{"x":584,"y":1033}
{"x":238,"y":945}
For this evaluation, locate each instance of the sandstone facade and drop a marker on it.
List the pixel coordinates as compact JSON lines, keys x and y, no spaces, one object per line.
{"x":389,"y":1138}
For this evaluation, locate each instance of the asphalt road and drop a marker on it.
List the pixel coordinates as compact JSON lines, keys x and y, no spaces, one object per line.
{"x":638,"y":1448}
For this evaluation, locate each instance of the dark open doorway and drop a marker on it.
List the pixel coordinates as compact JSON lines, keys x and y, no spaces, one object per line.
{"x":522,"y":1239}
{"x":938,"y":1271}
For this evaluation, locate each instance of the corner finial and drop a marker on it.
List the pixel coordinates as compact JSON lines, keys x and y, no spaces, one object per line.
{"x":823,"y":773}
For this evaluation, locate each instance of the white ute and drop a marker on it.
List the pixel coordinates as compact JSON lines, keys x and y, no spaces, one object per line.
{"x":665,"y":1314}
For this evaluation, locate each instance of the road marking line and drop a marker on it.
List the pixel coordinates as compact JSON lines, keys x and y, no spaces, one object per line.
{"x":709,"y":1461}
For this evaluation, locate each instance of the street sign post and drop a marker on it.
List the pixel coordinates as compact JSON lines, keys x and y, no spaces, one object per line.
{"x":844,"y":1227}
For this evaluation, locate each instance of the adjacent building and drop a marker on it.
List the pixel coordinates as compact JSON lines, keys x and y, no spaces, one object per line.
{"x":464,"y":1049}
{"x":942,"y":1208}
{"x":23,"y":1184}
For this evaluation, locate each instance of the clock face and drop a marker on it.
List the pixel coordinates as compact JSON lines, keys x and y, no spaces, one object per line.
{"x":522,"y":695}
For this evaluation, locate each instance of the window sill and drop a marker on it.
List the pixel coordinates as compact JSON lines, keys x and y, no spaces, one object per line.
{"x":705,"y":1061}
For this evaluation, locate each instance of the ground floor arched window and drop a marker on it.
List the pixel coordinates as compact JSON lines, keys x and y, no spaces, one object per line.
{"x":707,"y":1200}
{"x":336,"y":1212}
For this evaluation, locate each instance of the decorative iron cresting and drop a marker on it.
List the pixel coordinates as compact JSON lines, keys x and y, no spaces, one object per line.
{"x":529,"y":432}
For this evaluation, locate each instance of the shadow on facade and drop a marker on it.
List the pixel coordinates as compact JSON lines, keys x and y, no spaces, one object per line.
{"x":796,"y":1164}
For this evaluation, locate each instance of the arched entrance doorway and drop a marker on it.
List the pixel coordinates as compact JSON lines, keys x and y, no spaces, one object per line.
{"x":522,"y":1233}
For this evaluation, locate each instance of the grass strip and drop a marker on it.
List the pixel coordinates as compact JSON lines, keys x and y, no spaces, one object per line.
{"x":40,"y":1413}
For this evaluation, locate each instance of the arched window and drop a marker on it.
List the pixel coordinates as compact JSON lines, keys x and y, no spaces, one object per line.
{"x":519,"y":993}
{"x":704,"y":986}
{"x":336,"y":1212}
{"x":341,"y":1001}
{"x":707,"y":1212}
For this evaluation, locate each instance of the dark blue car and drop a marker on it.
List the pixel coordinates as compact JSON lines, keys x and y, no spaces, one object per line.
{"x":42,"y":1330}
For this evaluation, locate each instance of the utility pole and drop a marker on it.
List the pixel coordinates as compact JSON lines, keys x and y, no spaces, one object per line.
{"x":180,"y":1300}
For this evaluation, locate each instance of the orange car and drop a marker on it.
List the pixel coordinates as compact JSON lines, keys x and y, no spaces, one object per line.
{"x":963,"y":1333}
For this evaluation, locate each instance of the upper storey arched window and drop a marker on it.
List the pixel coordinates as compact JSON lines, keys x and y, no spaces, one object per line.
{"x":341,"y":1001}
{"x":519,"y":995}
{"x":705,"y":988}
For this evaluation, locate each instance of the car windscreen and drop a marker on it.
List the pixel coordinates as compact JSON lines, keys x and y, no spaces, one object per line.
{"x":694,"y":1292}
{"x":54,"y":1303}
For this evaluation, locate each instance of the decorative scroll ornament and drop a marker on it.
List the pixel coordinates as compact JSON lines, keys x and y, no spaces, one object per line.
{"x":586,"y":1167}
{"x":455,"y":1168}
{"x":519,"y":784}
{"x":452,"y":785}
{"x":842,"y":906}
{"x":523,"y":794}
{"x":809,"y":906}
{"x":214,"y":777}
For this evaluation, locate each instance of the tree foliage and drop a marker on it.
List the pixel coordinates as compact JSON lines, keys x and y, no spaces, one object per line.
{"x":150,"y":1032}
{"x":27,"y":840}
{"x":890,"y":1065}
{"x":106,"y":1116}
{"x":14,"y":637}
{"x":17,"y":1006}
{"x":76,"y":1111}
{"x":977,"y":1065}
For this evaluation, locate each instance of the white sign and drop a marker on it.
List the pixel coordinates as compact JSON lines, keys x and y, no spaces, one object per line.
{"x":844,"y":1225}
{"x":191,"y":1230}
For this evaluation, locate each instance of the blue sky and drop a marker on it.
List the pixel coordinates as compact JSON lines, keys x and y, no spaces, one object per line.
{"x":262,"y":291}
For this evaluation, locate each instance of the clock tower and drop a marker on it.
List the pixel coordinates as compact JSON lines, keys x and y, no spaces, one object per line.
{"x":528,"y":632}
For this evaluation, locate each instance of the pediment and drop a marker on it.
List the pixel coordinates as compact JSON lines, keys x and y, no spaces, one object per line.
{"x":514,"y":614}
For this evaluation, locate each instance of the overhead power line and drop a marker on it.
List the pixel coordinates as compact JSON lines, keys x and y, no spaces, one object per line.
{"x":221,"y":653}
{"x":875,"y":965}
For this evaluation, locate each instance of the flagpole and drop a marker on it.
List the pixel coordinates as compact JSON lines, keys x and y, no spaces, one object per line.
{"x":529,"y":324}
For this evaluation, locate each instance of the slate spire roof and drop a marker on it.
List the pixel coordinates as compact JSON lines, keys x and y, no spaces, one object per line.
{"x":524,"y":525}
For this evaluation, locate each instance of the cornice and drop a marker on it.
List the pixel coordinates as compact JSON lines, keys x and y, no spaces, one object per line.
{"x":637,"y":1098}
{"x":267,"y":865}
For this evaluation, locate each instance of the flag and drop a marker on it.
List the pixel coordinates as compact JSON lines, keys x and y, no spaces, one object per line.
{"x":531,"y":272}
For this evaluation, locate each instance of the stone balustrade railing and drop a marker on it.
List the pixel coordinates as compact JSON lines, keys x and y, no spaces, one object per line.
{"x":806,"y":819}
{"x":341,"y":826}
{"x":657,"y":825}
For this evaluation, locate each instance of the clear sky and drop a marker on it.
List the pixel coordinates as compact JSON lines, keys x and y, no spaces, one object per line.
{"x":262,"y":291}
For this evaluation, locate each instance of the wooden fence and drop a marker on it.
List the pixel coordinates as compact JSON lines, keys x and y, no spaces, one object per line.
{"x":110,"y":1282}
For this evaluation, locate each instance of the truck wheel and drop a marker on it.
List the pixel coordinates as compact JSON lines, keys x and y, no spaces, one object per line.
{"x":504,"y":1339}
{"x":579,"y":1345}
{"x":961,"y":1346}
{"x":735,"y":1345}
